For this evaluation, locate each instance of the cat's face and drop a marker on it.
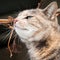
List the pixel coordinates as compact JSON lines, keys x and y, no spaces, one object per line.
{"x":30,"y":22}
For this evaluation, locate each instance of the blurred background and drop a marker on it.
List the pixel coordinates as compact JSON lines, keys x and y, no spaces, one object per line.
{"x":12,"y":8}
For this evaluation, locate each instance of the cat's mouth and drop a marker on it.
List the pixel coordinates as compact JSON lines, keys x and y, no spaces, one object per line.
{"x":20,"y":27}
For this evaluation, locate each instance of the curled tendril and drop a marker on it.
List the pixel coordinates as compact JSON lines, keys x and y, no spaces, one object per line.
{"x":9,"y":43}
{"x":7,"y":23}
{"x":58,"y":12}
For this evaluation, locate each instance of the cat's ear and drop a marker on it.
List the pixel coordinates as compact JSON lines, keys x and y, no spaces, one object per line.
{"x":51,"y":9}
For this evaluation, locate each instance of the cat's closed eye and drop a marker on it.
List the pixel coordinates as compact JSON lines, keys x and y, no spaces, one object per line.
{"x":27,"y":17}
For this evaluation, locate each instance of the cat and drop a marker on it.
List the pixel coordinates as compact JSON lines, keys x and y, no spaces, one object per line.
{"x":39,"y":30}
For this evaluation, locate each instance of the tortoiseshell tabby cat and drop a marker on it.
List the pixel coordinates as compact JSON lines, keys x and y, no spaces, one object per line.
{"x":40,"y":31}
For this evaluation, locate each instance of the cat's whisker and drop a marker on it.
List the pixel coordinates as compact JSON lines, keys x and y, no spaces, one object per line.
{"x":7,"y":36}
{"x":5,"y":33}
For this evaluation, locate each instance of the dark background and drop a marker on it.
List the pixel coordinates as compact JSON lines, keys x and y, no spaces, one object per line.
{"x":12,"y":8}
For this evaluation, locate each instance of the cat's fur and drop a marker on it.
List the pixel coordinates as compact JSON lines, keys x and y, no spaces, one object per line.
{"x":39,"y":30}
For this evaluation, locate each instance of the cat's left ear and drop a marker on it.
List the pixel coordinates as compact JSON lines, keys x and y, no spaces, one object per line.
{"x":51,"y":9}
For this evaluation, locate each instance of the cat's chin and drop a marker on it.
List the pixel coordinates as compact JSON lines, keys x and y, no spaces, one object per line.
{"x":21,"y":32}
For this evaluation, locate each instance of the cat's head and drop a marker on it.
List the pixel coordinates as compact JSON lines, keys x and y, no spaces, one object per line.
{"x":34,"y":24}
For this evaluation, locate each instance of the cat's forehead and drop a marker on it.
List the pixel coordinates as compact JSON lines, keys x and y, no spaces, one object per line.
{"x":29,"y":12}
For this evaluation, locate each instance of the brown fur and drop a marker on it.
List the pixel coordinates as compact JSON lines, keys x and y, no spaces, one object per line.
{"x":43,"y":42}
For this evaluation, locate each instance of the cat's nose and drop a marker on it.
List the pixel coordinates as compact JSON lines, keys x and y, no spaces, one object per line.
{"x":15,"y":20}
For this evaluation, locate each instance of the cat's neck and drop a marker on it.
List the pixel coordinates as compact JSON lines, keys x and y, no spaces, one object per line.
{"x":36,"y":52}
{"x":33,"y":51}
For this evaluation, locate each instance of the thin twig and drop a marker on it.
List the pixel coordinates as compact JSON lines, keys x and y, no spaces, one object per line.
{"x":6,"y":21}
{"x":39,"y":3}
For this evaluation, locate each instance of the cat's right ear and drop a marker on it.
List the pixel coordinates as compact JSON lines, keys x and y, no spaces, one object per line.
{"x":51,"y":9}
